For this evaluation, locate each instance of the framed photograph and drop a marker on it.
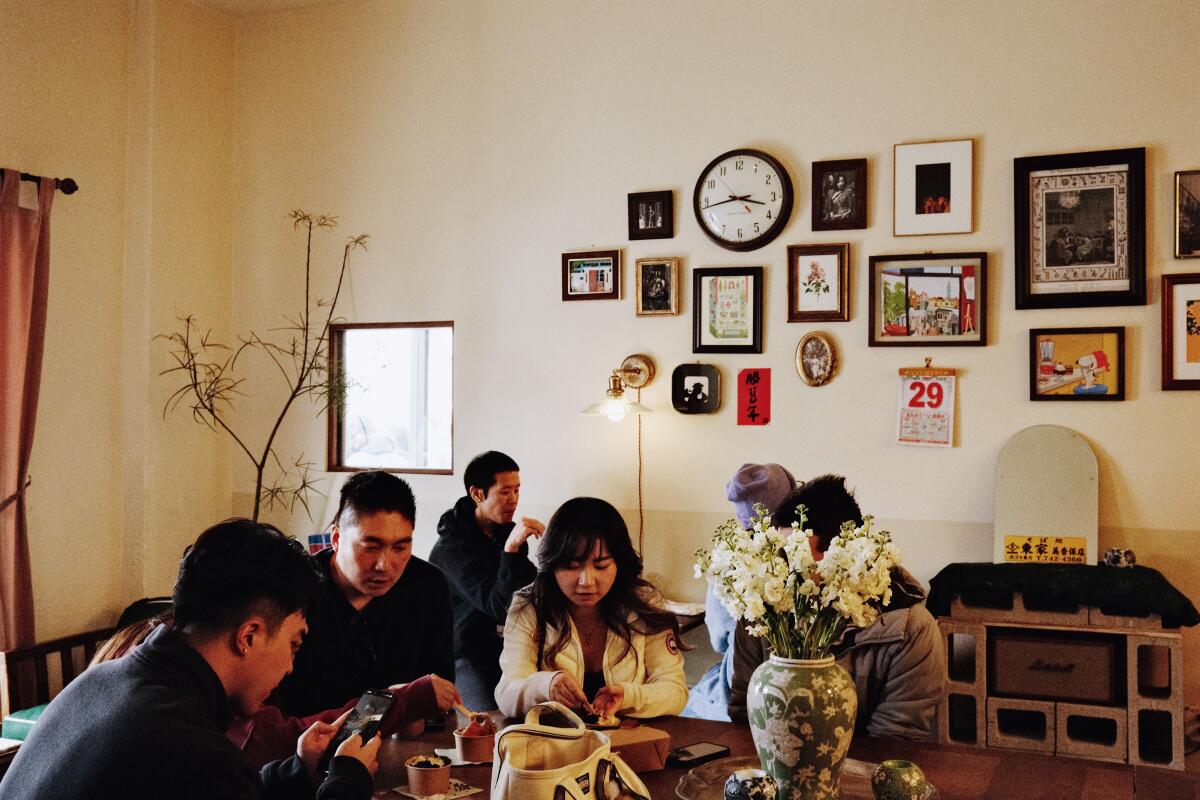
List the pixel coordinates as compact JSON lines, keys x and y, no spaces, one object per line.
{"x":839,"y":195}
{"x":1081,"y":229}
{"x":818,"y":283}
{"x":1181,"y":331}
{"x":696,"y":388}
{"x":727,"y":305}
{"x":657,"y":287}
{"x":1077,"y":364}
{"x":1187,"y":214}
{"x":593,"y":275}
{"x":815,"y":359}
{"x":651,"y":215}
{"x":932,"y":299}
{"x":933,"y":188}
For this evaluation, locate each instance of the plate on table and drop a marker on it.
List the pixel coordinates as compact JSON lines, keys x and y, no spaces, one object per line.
{"x":591,"y":720}
{"x":707,"y":781}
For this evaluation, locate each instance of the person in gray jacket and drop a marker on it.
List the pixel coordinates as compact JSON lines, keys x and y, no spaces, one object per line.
{"x":898,"y":662}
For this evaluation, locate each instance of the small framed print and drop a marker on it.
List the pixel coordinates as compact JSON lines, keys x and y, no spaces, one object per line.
{"x":1077,"y":364}
{"x":818,"y":283}
{"x":931,"y":299}
{"x":1187,"y":214}
{"x":696,"y":389}
{"x":727,"y":305}
{"x":839,"y":195}
{"x":657,"y":287}
{"x":651,"y":215}
{"x":592,"y":275}
{"x":933,"y":187}
{"x":815,"y":359}
{"x":1181,"y":331}
{"x":1080,"y":229}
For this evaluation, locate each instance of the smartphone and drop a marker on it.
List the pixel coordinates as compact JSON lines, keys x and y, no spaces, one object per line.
{"x":695,"y":754}
{"x":364,"y":720}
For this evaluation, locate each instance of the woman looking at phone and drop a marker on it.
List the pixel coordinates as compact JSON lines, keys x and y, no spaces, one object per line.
{"x":588,"y":632}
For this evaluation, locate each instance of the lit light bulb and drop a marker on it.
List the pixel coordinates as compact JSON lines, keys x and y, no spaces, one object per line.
{"x":615,"y":411}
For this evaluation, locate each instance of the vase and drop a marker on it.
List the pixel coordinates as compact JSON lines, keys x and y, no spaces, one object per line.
{"x":802,"y":718}
{"x":897,"y":779}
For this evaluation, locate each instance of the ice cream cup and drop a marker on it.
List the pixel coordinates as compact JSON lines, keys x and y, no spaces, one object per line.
{"x":428,"y":780}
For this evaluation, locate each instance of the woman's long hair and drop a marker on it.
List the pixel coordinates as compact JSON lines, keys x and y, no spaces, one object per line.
{"x":575,"y":528}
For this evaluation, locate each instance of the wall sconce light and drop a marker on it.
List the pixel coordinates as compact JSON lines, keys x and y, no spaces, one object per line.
{"x":635,"y":372}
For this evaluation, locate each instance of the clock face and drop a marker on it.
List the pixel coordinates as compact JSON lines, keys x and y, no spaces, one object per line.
{"x":743,"y":199}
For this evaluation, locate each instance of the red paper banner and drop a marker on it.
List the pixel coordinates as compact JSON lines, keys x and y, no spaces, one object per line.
{"x":754,"y":396}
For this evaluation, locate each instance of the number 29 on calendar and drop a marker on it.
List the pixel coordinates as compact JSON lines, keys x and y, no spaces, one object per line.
{"x":925,"y":415}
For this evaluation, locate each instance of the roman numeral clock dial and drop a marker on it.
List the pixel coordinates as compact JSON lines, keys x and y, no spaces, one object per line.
{"x":743,"y":199}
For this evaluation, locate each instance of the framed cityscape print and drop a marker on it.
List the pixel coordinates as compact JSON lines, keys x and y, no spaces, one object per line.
{"x":1181,"y":331}
{"x":933,"y":187}
{"x":591,"y":275}
{"x":1187,"y":214}
{"x":839,"y":195}
{"x":818,"y":283}
{"x":727,"y":304}
{"x":657,"y":287}
{"x":1081,"y":229}
{"x":651,"y":215}
{"x":1077,"y":364}
{"x":929,"y":299}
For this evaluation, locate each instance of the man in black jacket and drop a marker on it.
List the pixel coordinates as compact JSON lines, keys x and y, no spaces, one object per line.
{"x":151,"y":724}
{"x":484,"y":555}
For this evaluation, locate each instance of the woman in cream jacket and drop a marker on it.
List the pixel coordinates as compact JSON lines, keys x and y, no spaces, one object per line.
{"x":587,"y":631}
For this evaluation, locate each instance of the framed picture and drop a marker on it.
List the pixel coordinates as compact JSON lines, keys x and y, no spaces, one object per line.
{"x":933,"y":187}
{"x":815,"y":359}
{"x":696,"y":388}
{"x":818,"y":283}
{"x":651,"y":215}
{"x":1077,"y":364}
{"x":1187,"y":214}
{"x":657,"y":287}
{"x":839,"y":195}
{"x":923,"y":300}
{"x":592,"y":275}
{"x":1081,"y":229}
{"x":727,"y":305}
{"x":1181,"y":331}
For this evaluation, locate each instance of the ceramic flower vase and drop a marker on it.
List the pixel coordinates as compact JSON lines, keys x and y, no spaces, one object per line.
{"x":897,"y":779}
{"x":802,"y":717}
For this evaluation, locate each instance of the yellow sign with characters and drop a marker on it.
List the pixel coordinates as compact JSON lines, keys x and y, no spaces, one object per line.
{"x":1046,"y":549}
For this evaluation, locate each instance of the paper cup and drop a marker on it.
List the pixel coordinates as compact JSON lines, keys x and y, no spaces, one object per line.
{"x":428,"y":780}
{"x":475,"y":748}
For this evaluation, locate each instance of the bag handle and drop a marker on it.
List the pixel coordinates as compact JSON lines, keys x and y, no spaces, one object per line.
{"x":533,"y":717}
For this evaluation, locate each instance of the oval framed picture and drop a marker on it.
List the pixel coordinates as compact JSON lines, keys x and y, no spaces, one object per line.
{"x":816,"y":359}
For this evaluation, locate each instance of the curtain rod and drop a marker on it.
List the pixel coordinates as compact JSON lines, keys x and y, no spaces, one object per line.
{"x":64,"y":185}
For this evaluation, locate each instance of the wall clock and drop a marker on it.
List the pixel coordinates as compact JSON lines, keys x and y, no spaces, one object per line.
{"x":743,"y":199}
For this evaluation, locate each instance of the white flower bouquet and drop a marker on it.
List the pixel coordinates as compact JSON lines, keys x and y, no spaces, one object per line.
{"x":770,"y":578}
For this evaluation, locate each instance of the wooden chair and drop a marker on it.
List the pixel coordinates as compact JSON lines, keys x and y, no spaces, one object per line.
{"x":25,"y":673}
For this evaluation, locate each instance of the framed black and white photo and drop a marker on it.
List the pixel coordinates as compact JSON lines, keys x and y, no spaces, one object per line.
{"x":816,"y":359}
{"x":657,"y":287}
{"x":651,"y":215}
{"x":1187,"y":214}
{"x":591,"y":275}
{"x":839,"y":195}
{"x":1081,"y":229}
{"x":933,"y":188}
{"x":696,"y":389}
{"x":727,"y":304}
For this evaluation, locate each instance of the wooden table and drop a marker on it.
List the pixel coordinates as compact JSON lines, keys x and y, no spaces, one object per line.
{"x":960,"y":773}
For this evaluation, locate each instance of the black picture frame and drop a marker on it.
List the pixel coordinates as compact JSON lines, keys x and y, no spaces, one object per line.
{"x":743,"y":313}
{"x":1060,"y":202}
{"x":684,"y":397}
{"x":834,"y":212}
{"x":652,"y":215}
{"x":1042,"y":381}
{"x":956,"y":318}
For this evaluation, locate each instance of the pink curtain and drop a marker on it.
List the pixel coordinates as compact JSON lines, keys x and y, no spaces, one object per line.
{"x":24,"y":275}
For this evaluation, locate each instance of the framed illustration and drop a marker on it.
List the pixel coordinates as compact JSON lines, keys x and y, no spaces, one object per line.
{"x":923,"y":300}
{"x":839,"y":195}
{"x":657,"y":286}
{"x":1187,"y":214}
{"x":727,"y":305}
{"x":1081,"y":229}
{"x":818,"y":283}
{"x":1181,"y":331}
{"x":1077,"y":364}
{"x":651,"y":215}
{"x":592,"y":275}
{"x":815,"y":359}
{"x":696,"y":388}
{"x":933,"y":187}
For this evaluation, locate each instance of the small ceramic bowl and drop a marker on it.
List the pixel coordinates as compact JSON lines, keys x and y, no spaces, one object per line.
{"x":424,"y":778}
{"x":897,"y":779}
{"x":474,"y":748}
{"x":750,"y":784}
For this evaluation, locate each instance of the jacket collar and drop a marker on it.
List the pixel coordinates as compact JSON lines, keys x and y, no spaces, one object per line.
{"x":165,"y":651}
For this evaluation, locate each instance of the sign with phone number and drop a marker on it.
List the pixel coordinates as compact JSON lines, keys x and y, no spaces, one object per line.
{"x":925,"y":413}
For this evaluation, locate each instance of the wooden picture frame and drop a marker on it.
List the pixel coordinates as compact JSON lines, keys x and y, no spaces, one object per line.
{"x":839,"y":195}
{"x":727,"y":309}
{"x":816,"y":359}
{"x":1080,"y":225}
{"x":1187,"y":214}
{"x":924,"y":300}
{"x":1077,"y":363}
{"x":656,"y":286}
{"x":651,"y":215}
{"x":933,"y":187}
{"x":1181,"y":332}
{"x":818,"y":282}
{"x":591,"y":275}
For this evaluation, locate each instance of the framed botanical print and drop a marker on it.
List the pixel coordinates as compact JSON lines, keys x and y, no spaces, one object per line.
{"x":657,"y":285}
{"x":839,"y":195}
{"x":933,"y":188}
{"x":1081,"y":229}
{"x":928,"y":299}
{"x":1187,"y":214}
{"x":651,"y":215}
{"x":727,"y":305}
{"x":1077,"y":363}
{"x":818,"y":283}
{"x":591,"y":275}
{"x":1181,"y":331}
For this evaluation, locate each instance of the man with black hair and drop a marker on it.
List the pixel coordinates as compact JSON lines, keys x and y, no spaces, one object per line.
{"x":484,"y":555}
{"x":151,"y":724}
{"x":384,"y":616}
{"x":898,"y":663}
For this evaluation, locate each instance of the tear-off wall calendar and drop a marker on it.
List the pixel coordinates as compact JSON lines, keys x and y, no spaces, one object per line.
{"x":925,"y":416}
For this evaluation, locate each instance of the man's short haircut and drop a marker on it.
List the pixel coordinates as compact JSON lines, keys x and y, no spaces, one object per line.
{"x":239,"y":568}
{"x":373,"y":491}
{"x":483,"y":469}
{"x":827,"y":504}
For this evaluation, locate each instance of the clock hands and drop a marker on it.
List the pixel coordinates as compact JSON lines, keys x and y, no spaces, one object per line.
{"x":743,"y":199}
{"x":733,"y":194}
